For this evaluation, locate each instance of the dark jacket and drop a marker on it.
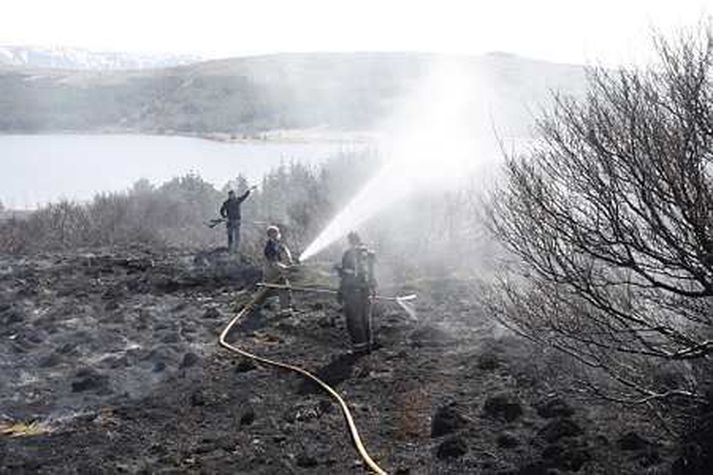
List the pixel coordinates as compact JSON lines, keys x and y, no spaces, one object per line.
{"x":231,"y":207}
{"x":274,"y":251}
{"x":357,"y":269}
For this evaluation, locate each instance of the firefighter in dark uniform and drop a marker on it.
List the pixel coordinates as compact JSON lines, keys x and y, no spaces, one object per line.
{"x":356,"y":288}
{"x":231,"y":212}
{"x":278,"y":260}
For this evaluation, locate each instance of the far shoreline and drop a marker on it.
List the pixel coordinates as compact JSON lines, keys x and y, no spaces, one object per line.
{"x":278,"y":136}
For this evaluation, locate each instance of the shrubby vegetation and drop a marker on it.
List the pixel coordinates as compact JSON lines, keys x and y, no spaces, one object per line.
{"x":611,"y":215}
{"x":172,"y":214}
{"x":300,"y":199}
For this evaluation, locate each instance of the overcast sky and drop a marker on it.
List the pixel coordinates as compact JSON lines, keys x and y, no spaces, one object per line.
{"x":559,"y":30}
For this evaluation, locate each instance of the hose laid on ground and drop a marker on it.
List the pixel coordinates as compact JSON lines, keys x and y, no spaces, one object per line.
{"x":342,"y":404}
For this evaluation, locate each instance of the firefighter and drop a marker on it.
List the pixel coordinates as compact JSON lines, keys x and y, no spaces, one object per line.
{"x":230,"y":211}
{"x":357,"y":286}
{"x":278,"y":259}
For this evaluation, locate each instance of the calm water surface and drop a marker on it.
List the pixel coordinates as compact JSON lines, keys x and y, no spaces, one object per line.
{"x":35,"y":169}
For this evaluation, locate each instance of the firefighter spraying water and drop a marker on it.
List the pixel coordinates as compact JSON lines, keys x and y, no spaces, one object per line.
{"x":357,"y":286}
{"x":356,"y":292}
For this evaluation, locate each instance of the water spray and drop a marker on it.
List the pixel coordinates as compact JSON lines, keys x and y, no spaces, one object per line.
{"x":432,"y":147}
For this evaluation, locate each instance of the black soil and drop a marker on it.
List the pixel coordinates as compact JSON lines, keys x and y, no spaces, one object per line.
{"x":116,"y":353}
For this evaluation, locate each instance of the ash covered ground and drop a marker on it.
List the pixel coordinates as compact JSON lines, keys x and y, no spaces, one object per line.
{"x":116,"y":353}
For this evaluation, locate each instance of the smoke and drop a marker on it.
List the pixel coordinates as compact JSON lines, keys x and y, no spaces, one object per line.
{"x":437,"y":141}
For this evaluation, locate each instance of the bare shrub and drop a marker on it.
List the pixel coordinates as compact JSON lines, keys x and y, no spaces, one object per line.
{"x":298,"y":198}
{"x":611,"y":216}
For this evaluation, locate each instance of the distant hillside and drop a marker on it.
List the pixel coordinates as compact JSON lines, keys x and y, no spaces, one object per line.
{"x":77,"y":58}
{"x":245,"y":95}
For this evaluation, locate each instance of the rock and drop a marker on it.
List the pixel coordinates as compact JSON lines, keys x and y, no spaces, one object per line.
{"x":18,"y":348}
{"x":245,"y":365}
{"x":164,"y":325}
{"x":488,"y":361}
{"x":187,"y":328}
{"x":189,"y":359}
{"x":115,"y":363}
{"x":50,"y":361}
{"x":197,"y":398}
{"x":334,"y":373}
{"x":248,"y":417}
{"x":447,"y":420}
{"x":34,"y":338}
{"x":158,"y":449}
{"x":206,"y":446}
{"x":113,"y":293}
{"x":171,"y":338}
{"x":111,"y":305}
{"x":452,"y":447}
{"x":555,"y":407}
{"x":535,"y":468}
{"x":12,"y":316}
{"x":306,"y":460}
{"x":430,"y":336}
{"x":159,"y":354}
{"x":325,"y":406}
{"x":326,"y":321}
{"x":693,"y":464}
{"x":601,"y":440}
{"x":566,"y":458}
{"x":559,"y":428}
{"x":671,"y":375}
{"x":648,"y":457}
{"x":503,"y":406}
{"x":212,"y":313}
{"x":90,"y":380}
{"x":633,"y":441}
{"x":507,"y":441}
{"x":67,"y":348}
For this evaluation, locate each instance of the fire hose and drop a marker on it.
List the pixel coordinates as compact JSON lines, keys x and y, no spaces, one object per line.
{"x":255,"y":300}
{"x":216,"y":221}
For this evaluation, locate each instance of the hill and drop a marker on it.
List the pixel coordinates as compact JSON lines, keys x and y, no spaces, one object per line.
{"x":245,"y":95}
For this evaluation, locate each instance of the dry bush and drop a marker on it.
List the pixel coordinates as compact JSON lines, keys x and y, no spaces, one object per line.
{"x":298,"y":198}
{"x":611,"y":216}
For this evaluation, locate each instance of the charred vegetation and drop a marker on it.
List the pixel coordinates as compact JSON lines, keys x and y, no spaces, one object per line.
{"x":610,"y":215}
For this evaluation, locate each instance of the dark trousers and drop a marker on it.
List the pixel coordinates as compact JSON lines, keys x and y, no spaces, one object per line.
{"x":357,"y":310}
{"x":233,"y":228}
{"x":273,"y":274}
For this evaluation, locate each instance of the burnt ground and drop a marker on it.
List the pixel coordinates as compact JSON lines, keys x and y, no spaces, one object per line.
{"x":115,"y":352}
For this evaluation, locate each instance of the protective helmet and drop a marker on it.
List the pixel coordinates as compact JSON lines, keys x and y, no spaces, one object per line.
{"x":273,"y":230}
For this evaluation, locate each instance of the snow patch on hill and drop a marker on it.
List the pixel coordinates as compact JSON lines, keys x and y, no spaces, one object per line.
{"x":75,"y":58}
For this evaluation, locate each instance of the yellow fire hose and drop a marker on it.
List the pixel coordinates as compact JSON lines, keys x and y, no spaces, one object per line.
{"x":342,"y":404}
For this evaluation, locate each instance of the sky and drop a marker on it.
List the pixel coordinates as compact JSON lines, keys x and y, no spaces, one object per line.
{"x":574,"y":31}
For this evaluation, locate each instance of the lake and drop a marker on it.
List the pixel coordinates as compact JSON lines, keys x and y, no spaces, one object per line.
{"x":36,"y":169}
